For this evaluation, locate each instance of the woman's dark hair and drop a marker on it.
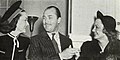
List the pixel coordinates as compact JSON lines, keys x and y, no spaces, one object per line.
{"x":6,"y":26}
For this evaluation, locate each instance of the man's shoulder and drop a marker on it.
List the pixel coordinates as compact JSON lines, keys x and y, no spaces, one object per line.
{"x":39,"y":36}
{"x":36,"y":36}
{"x":42,"y":34}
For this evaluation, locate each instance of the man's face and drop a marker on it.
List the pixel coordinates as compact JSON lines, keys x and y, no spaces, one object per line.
{"x":50,"y":20}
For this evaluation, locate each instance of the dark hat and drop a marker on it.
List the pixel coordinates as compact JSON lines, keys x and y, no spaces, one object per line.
{"x":11,"y":12}
{"x":99,"y":14}
{"x":108,"y":21}
{"x":10,"y":18}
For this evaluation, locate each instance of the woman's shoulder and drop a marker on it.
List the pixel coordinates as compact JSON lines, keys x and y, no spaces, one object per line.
{"x":90,"y":42}
{"x":4,"y":37}
{"x":87,"y":44}
{"x":24,"y":38}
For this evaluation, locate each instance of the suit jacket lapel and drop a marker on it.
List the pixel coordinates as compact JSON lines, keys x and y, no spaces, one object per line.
{"x":63,"y":42}
{"x":47,"y":43}
{"x":46,"y":39}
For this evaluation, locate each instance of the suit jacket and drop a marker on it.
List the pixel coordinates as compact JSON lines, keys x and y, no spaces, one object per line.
{"x":6,"y":48}
{"x":41,"y":47}
{"x":90,"y":50}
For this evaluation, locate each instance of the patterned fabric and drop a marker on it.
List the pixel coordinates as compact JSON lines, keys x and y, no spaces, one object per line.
{"x":55,"y":43}
{"x":6,"y":46}
{"x":42,"y":48}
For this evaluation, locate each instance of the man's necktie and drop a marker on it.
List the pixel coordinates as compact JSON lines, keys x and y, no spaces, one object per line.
{"x":55,"y":43}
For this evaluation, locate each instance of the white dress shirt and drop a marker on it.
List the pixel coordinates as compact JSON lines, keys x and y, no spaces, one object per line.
{"x":57,"y":39}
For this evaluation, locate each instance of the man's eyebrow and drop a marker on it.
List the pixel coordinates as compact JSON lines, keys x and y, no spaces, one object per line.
{"x":48,"y":16}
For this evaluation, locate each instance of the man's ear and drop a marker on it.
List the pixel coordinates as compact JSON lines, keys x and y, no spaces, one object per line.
{"x":59,"y":19}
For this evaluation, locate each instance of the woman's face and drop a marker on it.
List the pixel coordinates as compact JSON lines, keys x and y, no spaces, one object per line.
{"x":22,"y":22}
{"x":98,"y":29}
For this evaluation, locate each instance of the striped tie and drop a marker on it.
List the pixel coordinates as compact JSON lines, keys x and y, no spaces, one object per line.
{"x":55,"y":43}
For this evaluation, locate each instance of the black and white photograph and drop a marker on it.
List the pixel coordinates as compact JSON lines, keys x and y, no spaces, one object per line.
{"x":59,"y":29}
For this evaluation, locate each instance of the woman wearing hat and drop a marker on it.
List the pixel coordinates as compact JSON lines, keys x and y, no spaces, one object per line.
{"x":105,"y":44}
{"x":13,"y":46}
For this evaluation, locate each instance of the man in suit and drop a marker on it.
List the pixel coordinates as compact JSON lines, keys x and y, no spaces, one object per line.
{"x":50,"y":44}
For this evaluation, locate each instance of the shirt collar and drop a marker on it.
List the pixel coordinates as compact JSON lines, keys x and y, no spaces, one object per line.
{"x":56,"y":35}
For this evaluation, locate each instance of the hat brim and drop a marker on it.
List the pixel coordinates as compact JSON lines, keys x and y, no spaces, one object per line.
{"x":99,"y":14}
{"x":10,"y":11}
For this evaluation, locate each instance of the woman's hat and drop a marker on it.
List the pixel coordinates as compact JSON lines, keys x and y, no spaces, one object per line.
{"x":9,"y":19}
{"x":11,"y":12}
{"x":108,"y":21}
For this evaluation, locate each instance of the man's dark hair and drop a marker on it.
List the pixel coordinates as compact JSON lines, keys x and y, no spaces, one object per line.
{"x":57,"y":10}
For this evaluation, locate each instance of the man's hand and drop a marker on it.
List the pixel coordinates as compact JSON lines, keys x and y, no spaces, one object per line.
{"x":68,"y":53}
